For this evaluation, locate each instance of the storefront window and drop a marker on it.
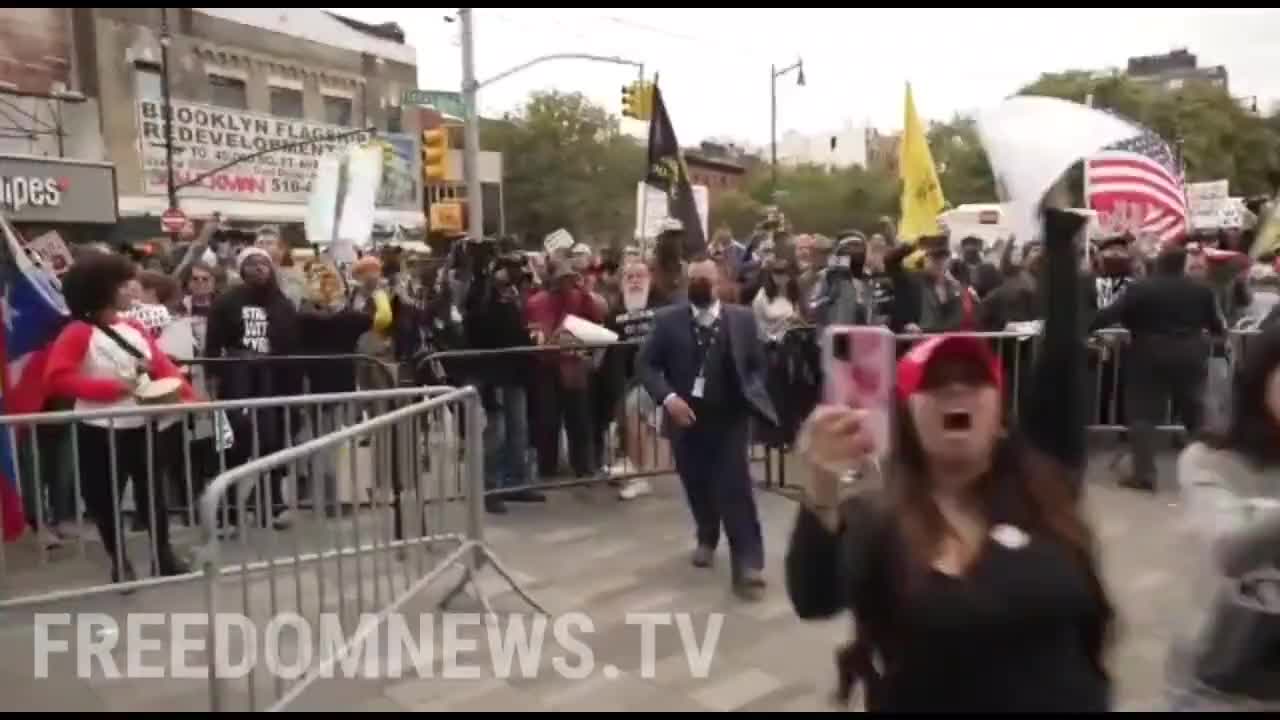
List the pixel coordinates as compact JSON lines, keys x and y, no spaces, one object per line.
{"x":286,"y":102}
{"x":337,"y":110}
{"x":228,"y":92}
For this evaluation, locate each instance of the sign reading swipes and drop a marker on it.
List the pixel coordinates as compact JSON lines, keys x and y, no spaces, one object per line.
{"x":17,"y":193}
{"x":45,"y":190}
{"x":207,"y":137}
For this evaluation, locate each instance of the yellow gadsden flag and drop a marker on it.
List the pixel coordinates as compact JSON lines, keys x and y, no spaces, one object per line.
{"x":1268,"y":238}
{"x":922,"y":199}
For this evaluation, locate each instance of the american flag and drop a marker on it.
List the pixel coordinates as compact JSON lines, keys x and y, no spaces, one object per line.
{"x":1137,"y":186}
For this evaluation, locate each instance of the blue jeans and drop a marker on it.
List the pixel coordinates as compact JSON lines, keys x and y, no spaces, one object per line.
{"x":506,"y":439}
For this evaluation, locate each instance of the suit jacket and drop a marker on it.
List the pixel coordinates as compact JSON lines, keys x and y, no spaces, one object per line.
{"x":667,"y":362}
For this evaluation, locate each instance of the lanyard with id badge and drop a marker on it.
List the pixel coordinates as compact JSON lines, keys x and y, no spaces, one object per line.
{"x":705,"y":337}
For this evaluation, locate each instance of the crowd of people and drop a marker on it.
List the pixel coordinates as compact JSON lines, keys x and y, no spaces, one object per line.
{"x":256,"y":299}
{"x":493,"y":314}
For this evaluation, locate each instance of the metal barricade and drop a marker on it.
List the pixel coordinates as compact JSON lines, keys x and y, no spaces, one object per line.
{"x":365,"y":371}
{"x":627,"y":424}
{"x":162,"y":453}
{"x":342,"y":581}
{"x":624,"y":438}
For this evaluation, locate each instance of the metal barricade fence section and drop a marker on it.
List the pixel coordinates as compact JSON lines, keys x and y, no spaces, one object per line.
{"x":336,"y":502}
{"x":1107,"y":374}
{"x":622,"y":437}
{"x":338,"y":582}
{"x":603,"y":427}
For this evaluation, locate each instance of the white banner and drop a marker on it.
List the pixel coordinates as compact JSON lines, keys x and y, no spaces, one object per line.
{"x":651,"y":210}
{"x":364,"y":175}
{"x":206,"y":137}
{"x":1207,"y":204}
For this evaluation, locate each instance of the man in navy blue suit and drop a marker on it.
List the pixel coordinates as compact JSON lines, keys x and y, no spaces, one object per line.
{"x":704,"y":362}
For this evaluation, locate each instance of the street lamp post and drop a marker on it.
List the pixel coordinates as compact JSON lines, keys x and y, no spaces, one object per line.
{"x":168,"y":109}
{"x":774,"y":74}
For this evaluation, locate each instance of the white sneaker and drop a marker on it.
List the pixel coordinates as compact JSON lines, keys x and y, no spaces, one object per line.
{"x":283,"y":519}
{"x":622,"y":467}
{"x":636,"y":487}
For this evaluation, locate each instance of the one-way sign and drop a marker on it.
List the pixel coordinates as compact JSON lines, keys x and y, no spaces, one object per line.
{"x":444,"y":102}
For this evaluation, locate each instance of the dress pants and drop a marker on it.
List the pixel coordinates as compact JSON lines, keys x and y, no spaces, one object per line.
{"x":711,"y":459}
{"x":1163,"y":370}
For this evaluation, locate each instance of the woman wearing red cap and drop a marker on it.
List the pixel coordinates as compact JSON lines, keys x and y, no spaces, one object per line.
{"x":971,"y":576}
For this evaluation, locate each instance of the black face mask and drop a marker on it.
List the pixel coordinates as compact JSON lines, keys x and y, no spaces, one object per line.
{"x":1113,"y":266}
{"x":700,"y":293}
{"x":973,"y":257}
{"x":857,"y":260}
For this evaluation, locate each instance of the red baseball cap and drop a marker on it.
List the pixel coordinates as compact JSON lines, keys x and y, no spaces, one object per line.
{"x":913,"y":366}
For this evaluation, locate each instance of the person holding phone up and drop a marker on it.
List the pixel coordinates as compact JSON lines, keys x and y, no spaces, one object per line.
{"x":971,"y":576}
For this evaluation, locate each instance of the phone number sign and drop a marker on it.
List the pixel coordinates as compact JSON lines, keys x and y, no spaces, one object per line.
{"x":206,"y":137}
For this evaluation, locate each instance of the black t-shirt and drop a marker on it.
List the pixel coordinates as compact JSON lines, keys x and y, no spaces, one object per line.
{"x":634,"y":326}
{"x":881,"y":298}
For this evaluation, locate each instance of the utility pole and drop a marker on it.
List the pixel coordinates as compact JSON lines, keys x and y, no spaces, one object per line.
{"x":773,"y":130}
{"x":471,"y":111}
{"x":168,"y":109}
{"x":774,"y":74}
{"x":471,"y":129}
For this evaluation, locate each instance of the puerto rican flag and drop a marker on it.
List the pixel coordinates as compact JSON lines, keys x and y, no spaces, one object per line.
{"x":34,"y":312}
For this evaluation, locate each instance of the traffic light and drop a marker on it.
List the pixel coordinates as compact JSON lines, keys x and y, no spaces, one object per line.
{"x":435,"y":155}
{"x":637,"y":100}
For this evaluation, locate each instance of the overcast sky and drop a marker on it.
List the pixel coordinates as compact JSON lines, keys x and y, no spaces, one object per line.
{"x":714,"y":64}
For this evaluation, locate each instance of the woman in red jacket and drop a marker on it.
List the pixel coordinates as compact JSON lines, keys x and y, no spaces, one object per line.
{"x":98,"y":361}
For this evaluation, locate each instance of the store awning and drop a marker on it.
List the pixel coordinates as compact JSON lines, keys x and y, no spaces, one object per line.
{"x":267,"y":212}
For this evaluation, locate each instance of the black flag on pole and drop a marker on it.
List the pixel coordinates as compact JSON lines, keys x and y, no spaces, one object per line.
{"x":668,"y":173}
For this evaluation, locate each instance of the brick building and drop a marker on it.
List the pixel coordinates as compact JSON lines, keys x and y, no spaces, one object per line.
{"x":719,"y":174}
{"x":244,"y":80}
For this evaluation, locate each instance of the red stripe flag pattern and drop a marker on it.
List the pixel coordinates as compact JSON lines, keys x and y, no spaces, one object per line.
{"x":1139,"y":179}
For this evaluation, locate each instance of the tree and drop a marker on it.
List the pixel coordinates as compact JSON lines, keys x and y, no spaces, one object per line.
{"x":813,"y":198}
{"x":963,"y":168}
{"x":567,"y":165}
{"x":736,"y":210}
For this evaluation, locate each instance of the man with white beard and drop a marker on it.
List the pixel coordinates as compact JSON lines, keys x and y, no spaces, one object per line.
{"x":641,"y":415}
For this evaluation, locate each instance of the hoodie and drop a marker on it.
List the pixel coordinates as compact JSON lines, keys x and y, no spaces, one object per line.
{"x":247,"y":322}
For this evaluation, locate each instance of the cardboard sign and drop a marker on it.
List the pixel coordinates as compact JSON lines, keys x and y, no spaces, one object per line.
{"x":52,"y":250}
{"x":1207,"y":202}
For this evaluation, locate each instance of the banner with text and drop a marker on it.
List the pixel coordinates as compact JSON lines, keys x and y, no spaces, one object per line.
{"x":1208,"y":203}
{"x":206,"y":137}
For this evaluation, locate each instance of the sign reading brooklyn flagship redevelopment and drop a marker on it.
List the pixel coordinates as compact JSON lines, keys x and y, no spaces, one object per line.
{"x":206,"y":137}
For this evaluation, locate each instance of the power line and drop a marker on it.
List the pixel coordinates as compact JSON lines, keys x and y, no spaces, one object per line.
{"x":560,"y":22}
{"x":525,"y":25}
{"x":720,"y":42}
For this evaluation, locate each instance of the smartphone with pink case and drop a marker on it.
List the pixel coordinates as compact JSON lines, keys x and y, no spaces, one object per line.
{"x":859,"y":365}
